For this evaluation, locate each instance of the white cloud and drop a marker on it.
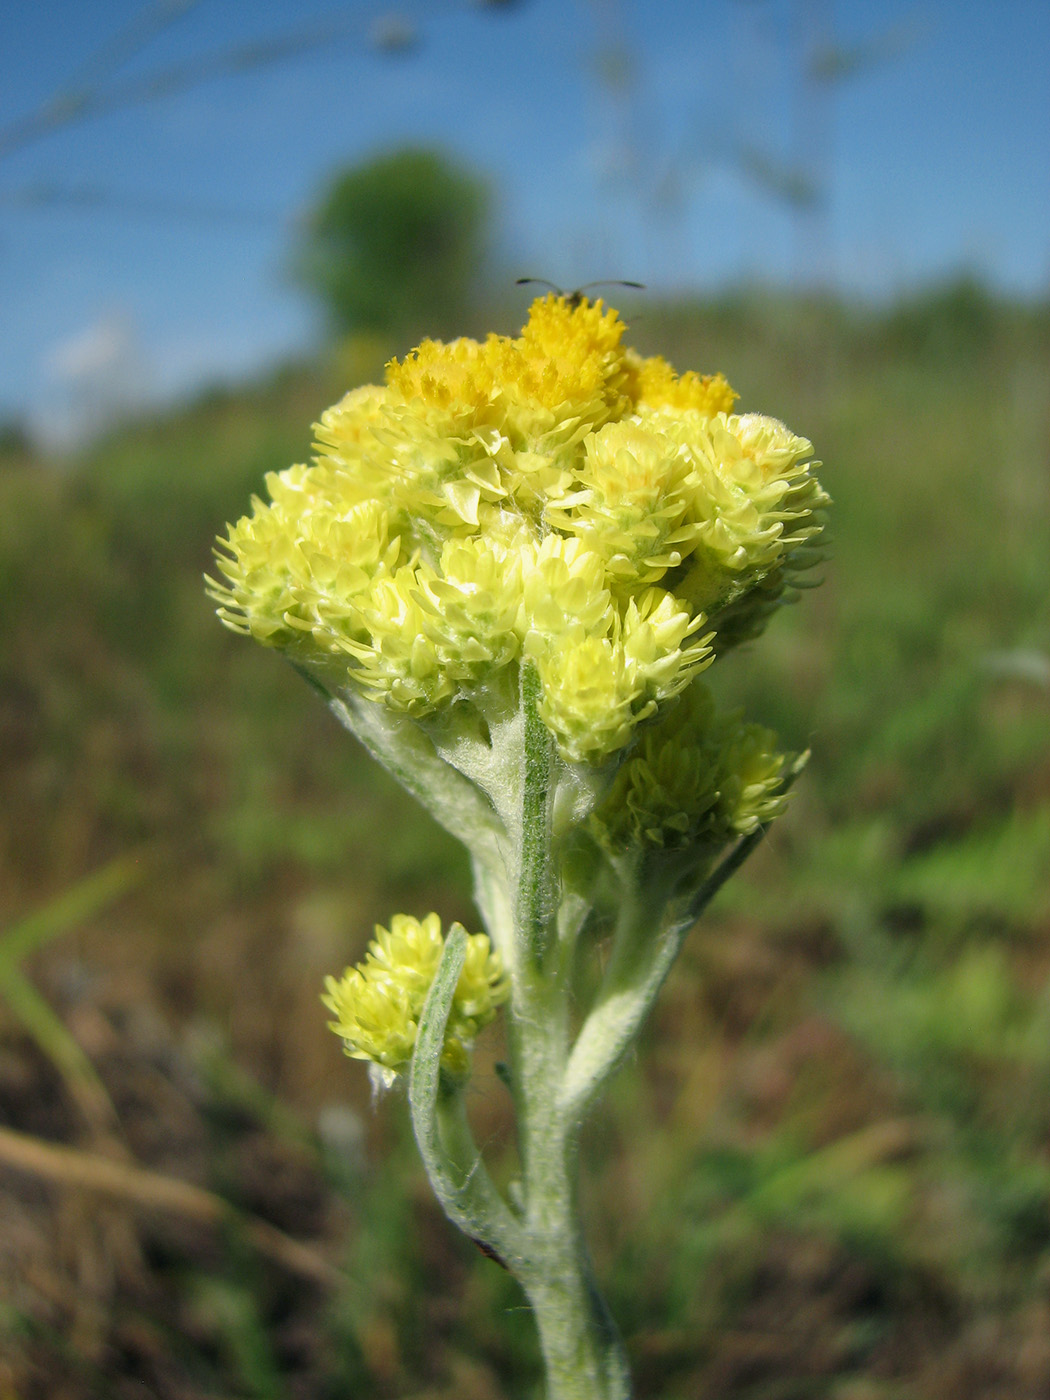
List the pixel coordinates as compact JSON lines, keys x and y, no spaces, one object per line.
{"x":93,"y":378}
{"x":102,"y":349}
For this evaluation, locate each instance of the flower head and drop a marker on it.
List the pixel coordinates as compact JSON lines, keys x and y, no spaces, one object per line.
{"x":378,"y":1003}
{"x":551,"y":498}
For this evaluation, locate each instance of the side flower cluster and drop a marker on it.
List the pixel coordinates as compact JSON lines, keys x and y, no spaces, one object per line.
{"x":696,"y":780}
{"x":378,"y":1003}
{"x":552,"y":498}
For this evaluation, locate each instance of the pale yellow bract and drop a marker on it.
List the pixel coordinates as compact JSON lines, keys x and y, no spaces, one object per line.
{"x":552,"y":497}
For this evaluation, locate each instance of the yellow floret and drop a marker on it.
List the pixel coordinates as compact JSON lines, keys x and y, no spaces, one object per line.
{"x":653,"y":383}
{"x":566,"y":362}
{"x":561,"y":327}
{"x":457,"y":376}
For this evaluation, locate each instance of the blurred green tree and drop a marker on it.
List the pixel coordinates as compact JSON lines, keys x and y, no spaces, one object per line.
{"x":398,"y":244}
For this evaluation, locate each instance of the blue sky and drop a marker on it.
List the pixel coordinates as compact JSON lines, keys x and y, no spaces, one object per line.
{"x":934,"y":153}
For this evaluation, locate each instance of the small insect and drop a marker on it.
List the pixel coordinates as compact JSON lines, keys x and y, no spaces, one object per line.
{"x":574,"y":298}
{"x":490,"y":1253}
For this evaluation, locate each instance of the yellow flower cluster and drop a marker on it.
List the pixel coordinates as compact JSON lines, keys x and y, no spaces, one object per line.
{"x":378,"y":1003}
{"x":697,"y":779}
{"x":553,"y":497}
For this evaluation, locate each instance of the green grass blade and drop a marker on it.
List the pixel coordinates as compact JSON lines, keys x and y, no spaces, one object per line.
{"x":41,"y":1022}
{"x":68,"y":909}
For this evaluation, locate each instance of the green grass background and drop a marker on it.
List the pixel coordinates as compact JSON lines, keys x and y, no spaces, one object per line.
{"x":827,"y":1170}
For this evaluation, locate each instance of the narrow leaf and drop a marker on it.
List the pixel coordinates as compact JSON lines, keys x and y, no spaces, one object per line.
{"x":453,"y":1163}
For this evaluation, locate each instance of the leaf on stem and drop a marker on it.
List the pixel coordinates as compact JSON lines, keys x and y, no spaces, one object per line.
{"x":453,"y":1163}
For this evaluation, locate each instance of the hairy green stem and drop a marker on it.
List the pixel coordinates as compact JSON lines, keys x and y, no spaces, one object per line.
{"x":582,"y":1351}
{"x":537,"y":901}
{"x":581,"y":1348}
{"x":553,"y":1081}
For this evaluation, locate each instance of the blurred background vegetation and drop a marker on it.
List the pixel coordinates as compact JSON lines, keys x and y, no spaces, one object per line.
{"x":826,"y":1173}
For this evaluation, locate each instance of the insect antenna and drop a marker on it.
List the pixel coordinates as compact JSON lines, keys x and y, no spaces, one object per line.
{"x":575,"y":297}
{"x":541,"y":281}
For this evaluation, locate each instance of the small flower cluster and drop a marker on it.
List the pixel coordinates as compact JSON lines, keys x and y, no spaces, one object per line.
{"x":552,"y":498}
{"x":695,"y":781}
{"x":378,"y":1003}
